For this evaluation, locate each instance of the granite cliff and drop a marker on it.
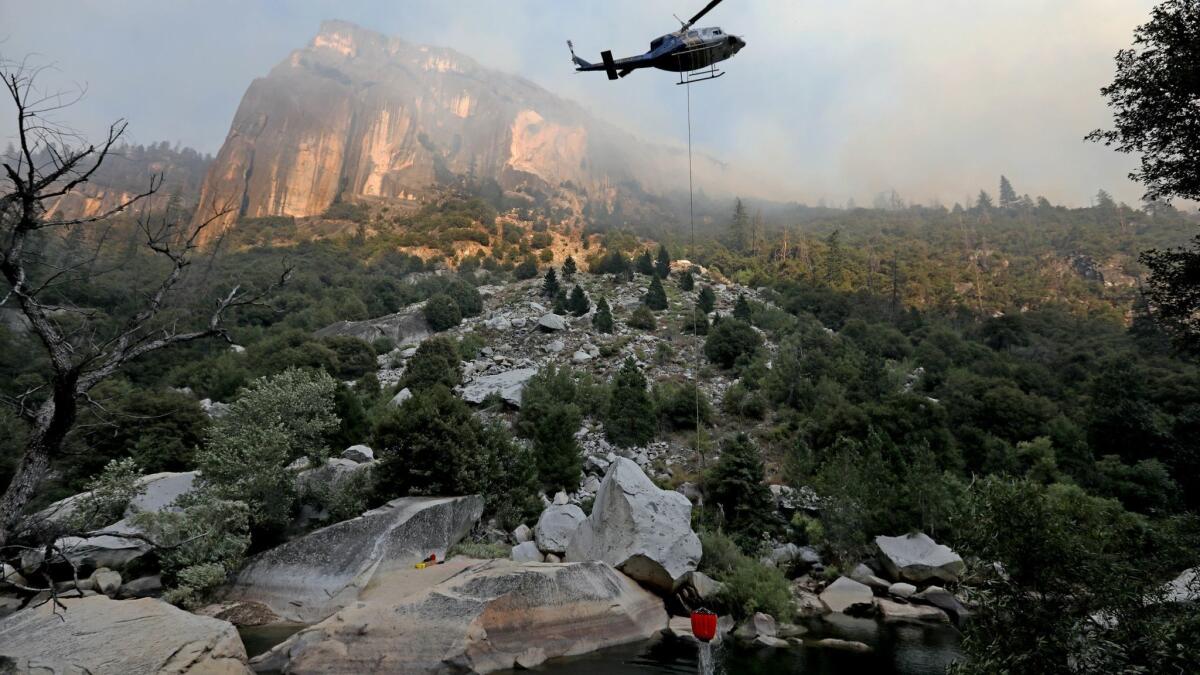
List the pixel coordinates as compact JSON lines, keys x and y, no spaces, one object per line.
{"x":357,"y":116}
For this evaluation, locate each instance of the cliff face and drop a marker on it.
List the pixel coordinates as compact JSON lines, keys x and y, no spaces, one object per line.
{"x":357,"y":115}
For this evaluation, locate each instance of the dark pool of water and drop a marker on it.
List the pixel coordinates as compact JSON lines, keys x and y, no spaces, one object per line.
{"x":900,"y":649}
{"x":259,"y":639}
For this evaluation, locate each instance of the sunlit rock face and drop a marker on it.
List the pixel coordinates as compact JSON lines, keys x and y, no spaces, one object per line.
{"x":356,"y":114}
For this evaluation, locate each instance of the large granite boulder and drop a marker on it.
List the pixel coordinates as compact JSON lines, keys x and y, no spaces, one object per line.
{"x":556,"y":526}
{"x":509,"y":385}
{"x":1183,"y":588}
{"x":846,"y":594}
{"x":101,"y":636}
{"x":309,"y":578}
{"x":918,"y":559}
{"x":638,"y":528}
{"x":552,"y":322}
{"x":408,"y":326}
{"x":474,"y":617}
{"x":160,"y":490}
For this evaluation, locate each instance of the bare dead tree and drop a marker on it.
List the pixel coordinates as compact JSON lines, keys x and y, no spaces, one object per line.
{"x":50,"y":161}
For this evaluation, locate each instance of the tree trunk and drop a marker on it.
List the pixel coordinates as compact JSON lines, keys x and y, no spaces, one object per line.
{"x":52,"y":422}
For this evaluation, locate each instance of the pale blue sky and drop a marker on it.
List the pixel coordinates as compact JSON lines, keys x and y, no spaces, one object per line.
{"x":830,"y":100}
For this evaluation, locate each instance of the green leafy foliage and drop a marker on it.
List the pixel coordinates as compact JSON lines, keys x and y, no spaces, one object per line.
{"x":550,"y":416}
{"x":642,"y":318}
{"x":438,"y":361}
{"x":662,"y":263}
{"x":630,"y":419}
{"x":433,"y":444}
{"x":736,"y":487}
{"x":678,"y":405}
{"x":201,"y":545}
{"x":706,"y":300}
{"x":731,"y":340}
{"x":274,"y":422}
{"x":442,"y":312}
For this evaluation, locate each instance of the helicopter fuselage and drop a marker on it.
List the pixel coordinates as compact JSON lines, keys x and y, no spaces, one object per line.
{"x":683,"y":51}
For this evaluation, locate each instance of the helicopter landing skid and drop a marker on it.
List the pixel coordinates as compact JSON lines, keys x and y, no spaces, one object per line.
{"x":702,"y":75}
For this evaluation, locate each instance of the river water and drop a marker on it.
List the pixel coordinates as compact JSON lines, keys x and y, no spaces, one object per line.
{"x":898,"y":648}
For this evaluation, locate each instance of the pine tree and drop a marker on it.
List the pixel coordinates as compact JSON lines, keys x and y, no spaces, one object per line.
{"x":645,"y":264}
{"x":1008,"y":196}
{"x":696,"y":323}
{"x":630,"y":419}
{"x":687,"y":282}
{"x":662,"y":266}
{"x":707,"y":299}
{"x":984,"y":201}
{"x":561,"y":305}
{"x":739,"y":227}
{"x":602,"y":320}
{"x":656,"y":297}
{"x":550,"y":285}
{"x":736,"y":485}
{"x":578,"y":303}
{"x":741,"y":310}
{"x":568,"y":268}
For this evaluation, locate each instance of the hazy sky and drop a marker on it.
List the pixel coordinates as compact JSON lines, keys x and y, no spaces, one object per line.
{"x":833,"y":99}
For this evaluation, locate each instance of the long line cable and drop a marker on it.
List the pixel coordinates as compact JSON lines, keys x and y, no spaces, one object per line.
{"x":692,"y":225}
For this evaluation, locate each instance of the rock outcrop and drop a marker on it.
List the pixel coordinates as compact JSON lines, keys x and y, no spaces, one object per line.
{"x":408,"y":326}
{"x":309,"y":578}
{"x":116,"y":637}
{"x":508,"y":385}
{"x":918,"y":559}
{"x":638,"y":528}
{"x":474,"y":617}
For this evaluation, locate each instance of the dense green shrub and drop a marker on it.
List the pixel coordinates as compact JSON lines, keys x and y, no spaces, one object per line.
{"x":466,"y":297}
{"x":730,"y":340}
{"x":678,"y":405}
{"x":442,"y":312}
{"x":642,"y":318}
{"x":274,"y":422}
{"x":527,"y":269}
{"x":438,"y":361}
{"x":706,"y":299}
{"x":432,"y":444}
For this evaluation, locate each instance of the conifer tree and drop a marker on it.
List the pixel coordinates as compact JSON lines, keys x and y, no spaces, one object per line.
{"x":741,"y":309}
{"x":1008,"y":196}
{"x":561,"y":305}
{"x":568,"y":268}
{"x":707,"y":299}
{"x":656,"y":297}
{"x":736,"y":485}
{"x":630,"y":419}
{"x":662,"y":266}
{"x":645,"y":264}
{"x":602,"y":320}
{"x":550,"y":285}
{"x":739,"y":227}
{"x":687,"y":282}
{"x":578,"y":303}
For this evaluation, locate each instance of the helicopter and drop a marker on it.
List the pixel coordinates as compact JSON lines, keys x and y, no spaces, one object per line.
{"x":693,"y":53}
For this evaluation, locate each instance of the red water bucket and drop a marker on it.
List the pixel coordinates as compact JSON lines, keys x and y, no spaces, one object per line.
{"x":704,"y":625}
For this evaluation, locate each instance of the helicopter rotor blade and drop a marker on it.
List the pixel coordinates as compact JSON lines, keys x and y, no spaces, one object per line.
{"x":708,"y":8}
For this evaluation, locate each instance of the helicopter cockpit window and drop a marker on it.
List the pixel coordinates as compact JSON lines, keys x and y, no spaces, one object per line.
{"x":717,"y":31}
